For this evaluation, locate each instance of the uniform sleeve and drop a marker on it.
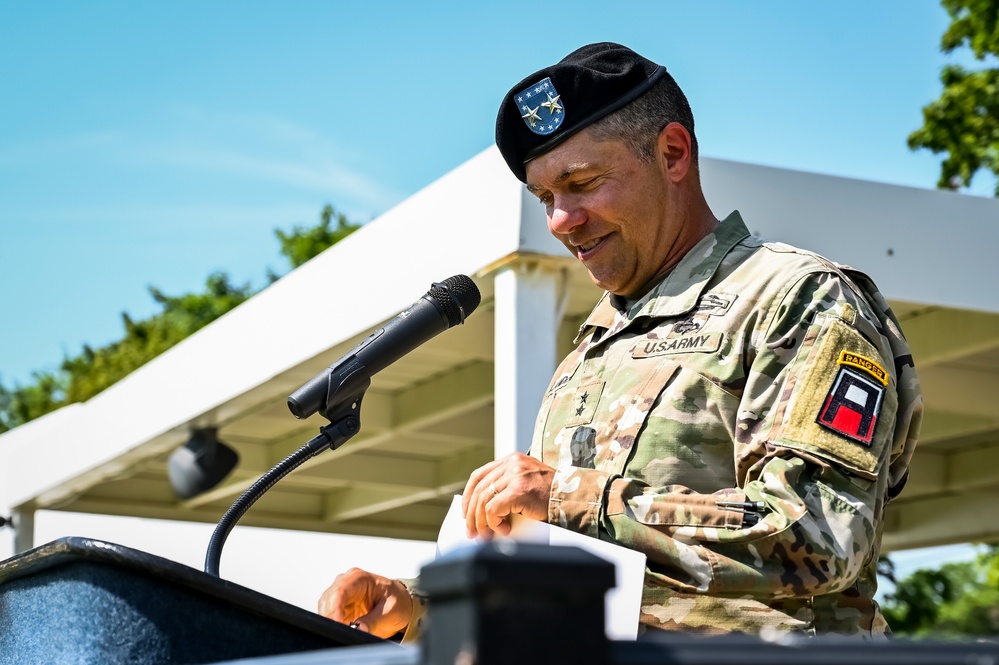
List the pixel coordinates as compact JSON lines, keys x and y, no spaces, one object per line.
{"x":414,"y":629}
{"x":813,"y":429}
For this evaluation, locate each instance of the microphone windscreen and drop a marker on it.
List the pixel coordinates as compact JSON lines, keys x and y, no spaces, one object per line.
{"x":457,"y":296}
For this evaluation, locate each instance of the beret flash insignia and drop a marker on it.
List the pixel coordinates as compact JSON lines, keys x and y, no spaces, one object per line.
{"x":540,"y":107}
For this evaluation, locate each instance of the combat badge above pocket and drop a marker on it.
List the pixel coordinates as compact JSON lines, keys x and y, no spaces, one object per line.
{"x":843,"y":405}
{"x":715,"y":304}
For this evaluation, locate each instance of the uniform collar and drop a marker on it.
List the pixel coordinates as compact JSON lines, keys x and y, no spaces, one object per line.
{"x":681,"y":289}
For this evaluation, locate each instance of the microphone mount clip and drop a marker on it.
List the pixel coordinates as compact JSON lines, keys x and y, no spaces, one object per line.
{"x":348,"y":381}
{"x":346,"y":385}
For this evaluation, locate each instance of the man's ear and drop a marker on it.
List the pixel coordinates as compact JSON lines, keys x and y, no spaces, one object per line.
{"x":673,"y":150}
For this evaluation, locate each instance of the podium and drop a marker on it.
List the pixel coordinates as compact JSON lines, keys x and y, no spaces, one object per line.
{"x":78,"y":600}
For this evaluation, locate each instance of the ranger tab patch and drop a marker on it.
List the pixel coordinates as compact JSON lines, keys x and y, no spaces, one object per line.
{"x":864,"y":363}
{"x":852,"y":406}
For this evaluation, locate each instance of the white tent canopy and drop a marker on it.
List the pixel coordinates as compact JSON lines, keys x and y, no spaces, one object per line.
{"x":472,"y":393}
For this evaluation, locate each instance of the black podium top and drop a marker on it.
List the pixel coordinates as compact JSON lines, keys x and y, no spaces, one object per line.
{"x":88,"y":601}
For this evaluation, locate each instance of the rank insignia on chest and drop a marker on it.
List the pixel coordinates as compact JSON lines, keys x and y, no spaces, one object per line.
{"x":583,"y":403}
{"x":852,"y":406}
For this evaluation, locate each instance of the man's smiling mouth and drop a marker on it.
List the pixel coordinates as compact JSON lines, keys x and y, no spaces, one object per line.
{"x":588,"y":246}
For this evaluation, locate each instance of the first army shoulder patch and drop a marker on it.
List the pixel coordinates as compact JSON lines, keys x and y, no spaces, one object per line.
{"x":853,"y":403}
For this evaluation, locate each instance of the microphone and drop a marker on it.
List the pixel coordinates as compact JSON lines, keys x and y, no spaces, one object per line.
{"x":446,"y":304}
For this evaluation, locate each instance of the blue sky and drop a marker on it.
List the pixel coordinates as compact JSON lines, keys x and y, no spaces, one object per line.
{"x":153,"y":143}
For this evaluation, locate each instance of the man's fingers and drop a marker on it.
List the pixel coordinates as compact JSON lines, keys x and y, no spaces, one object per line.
{"x":485,"y":491}
{"x":494,"y":507}
{"x":516,"y":483}
{"x":341,"y":600}
{"x":497,"y":513}
{"x":373,"y":621}
{"x":474,"y":481}
{"x":377,"y":622}
{"x":390,"y":614}
{"x":378,"y":605}
{"x":472,"y":496}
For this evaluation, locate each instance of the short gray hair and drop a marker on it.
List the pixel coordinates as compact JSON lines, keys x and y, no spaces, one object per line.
{"x":638,"y":124}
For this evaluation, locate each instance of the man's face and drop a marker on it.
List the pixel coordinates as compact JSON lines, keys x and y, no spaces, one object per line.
{"x":610,"y":209}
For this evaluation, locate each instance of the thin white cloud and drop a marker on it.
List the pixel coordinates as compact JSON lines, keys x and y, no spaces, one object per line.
{"x":177,"y":217}
{"x":305,"y":172}
{"x":259,"y":125}
{"x":256,"y":147}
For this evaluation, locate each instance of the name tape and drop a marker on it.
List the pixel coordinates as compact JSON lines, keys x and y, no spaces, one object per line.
{"x":706,"y":343}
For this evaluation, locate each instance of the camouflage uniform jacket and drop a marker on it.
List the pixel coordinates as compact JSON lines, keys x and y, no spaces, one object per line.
{"x":744,"y":425}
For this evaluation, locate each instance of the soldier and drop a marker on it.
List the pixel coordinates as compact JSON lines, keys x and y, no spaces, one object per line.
{"x":739,"y":410}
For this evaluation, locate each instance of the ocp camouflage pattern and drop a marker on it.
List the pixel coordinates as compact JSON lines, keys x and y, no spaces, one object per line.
{"x":685,"y":426}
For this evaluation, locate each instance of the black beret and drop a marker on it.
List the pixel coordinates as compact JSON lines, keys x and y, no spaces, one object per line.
{"x":554,"y":103}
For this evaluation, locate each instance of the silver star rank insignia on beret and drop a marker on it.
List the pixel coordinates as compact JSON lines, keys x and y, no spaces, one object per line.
{"x":540,"y":106}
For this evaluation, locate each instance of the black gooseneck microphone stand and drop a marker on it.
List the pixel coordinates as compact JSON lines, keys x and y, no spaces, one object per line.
{"x":348,"y":384}
{"x":336,"y":392}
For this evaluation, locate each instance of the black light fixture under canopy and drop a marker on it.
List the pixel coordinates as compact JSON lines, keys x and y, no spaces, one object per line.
{"x":200,"y":464}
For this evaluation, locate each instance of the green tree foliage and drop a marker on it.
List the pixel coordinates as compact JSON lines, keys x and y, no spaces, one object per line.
{"x":19,"y":405}
{"x":958,"y":600}
{"x":82,"y":376}
{"x":964,"y":121}
{"x":303,"y":243}
{"x":94,"y":370}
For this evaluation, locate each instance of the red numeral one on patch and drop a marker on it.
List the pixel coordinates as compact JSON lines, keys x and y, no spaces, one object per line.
{"x":851,"y":408}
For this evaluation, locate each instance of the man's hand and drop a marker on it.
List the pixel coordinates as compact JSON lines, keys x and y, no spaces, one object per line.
{"x":515,"y":484}
{"x":377,"y":604}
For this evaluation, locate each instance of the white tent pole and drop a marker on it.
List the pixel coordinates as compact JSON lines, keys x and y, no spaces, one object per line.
{"x":525,"y":350}
{"x":24,"y":529}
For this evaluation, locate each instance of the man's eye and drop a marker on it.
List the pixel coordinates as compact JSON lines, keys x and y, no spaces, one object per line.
{"x":545,"y":200}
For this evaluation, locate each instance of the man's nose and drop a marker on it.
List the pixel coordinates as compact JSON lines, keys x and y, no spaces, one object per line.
{"x":565,"y":218}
